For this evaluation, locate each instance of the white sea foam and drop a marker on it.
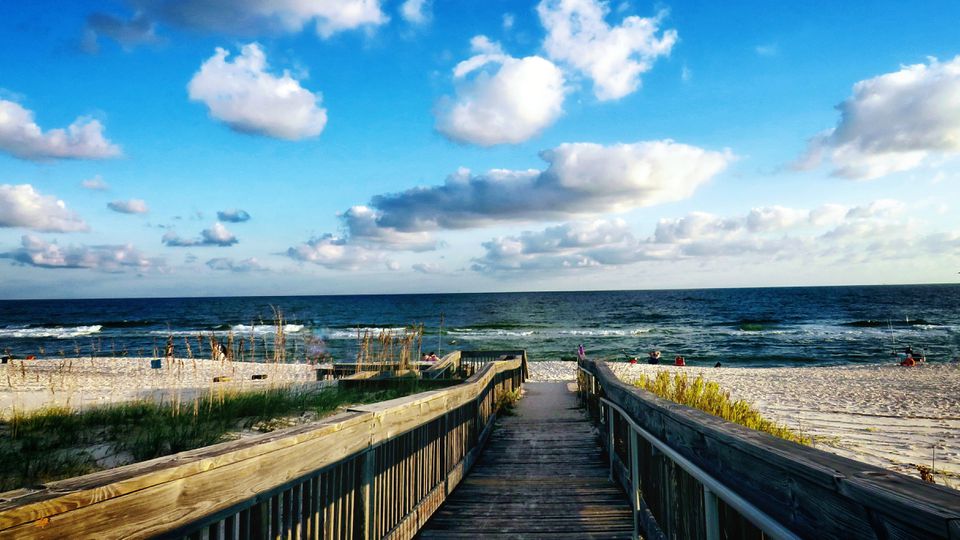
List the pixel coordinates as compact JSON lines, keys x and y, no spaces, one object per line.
{"x":352,"y":333}
{"x":54,"y":332}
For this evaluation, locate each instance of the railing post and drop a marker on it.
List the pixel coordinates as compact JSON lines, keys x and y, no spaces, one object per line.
{"x":711,"y":514}
{"x":367,"y":474}
{"x":635,"y":480}
{"x":610,"y":444}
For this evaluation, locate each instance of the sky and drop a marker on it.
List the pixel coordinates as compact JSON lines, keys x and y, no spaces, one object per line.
{"x":251,"y":147}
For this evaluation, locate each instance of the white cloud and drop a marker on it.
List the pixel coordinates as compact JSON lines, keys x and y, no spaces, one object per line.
{"x":614,"y":57}
{"x":132,"y":206}
{"x":416,"y":11}
{"x":879,"y":230}
{"x":37,"y":252}
{"x":249,"y":99}
{"x":20,"y":136}
{"x":581,"y":179}
{"x":894,"y":122}
{"x":500,"y":99}
{"x":393,"y":266}
{"x":227,"y":264}
{"x":234,"y":215}
{"x":23,"y":206}
{"x":251,"y":17}
{"x":360,"y":223}
{"x":427,"y":268}
{"x":218,"y":235}
{"x":335,"y":253}
{"x":95,"y":184}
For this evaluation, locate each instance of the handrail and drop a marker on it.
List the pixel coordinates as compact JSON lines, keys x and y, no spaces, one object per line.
{"x":768,"y":525}
{"x":374,"y":471}
{"x":691,"y":474}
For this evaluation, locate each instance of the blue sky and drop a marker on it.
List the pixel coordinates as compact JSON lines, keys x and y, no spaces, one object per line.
{"x":632,"y":144}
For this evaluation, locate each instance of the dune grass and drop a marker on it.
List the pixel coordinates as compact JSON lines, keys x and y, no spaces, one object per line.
{"x":709,"y":397}
{"x":56,"y":443}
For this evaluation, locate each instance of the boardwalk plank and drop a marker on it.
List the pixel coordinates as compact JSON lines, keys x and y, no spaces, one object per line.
{"x":541,"y":475}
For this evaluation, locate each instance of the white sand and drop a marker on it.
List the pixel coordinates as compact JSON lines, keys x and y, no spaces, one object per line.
{"x":80,"y":383}
{"x":887,"y":416}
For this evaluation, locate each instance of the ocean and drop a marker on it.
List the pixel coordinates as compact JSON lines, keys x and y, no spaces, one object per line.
{"x":750,"y":327}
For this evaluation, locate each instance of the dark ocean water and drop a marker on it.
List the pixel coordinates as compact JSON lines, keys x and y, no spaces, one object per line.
{"x":766,"y":327}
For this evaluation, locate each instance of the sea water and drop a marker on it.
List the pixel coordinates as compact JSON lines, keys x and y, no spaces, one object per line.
{"x":751,"y":327}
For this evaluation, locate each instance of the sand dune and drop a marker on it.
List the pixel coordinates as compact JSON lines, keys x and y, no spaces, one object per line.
{"x":84,"y":382}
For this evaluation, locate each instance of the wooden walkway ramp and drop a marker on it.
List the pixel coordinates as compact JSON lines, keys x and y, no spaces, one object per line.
{"x":542,"y":474}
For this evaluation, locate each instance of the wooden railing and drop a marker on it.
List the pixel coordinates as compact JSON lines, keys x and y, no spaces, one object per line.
{"x":692,"y":475}
{"x":374,"y":471}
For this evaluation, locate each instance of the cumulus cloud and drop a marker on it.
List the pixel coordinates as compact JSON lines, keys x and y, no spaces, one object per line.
{"x":240,"y":17}
{"x":23,"y":206}
{"x":893,"y":122}
{"x":139,"y":30}
{"x":427,"y":268}
{"x":20,"y":136}
{"x":500,"y":99}
{"x":218,"y":236}
{"x":227,"y":264}
{"x":361,"y":225}
{"x":880,"y":229}
{"x":581,"y":179}
{"x":614,"y":57}
{"x":416,"y":11}
{"x":132,"y":206}
{"x":37,"y":252}
{"x":336,"y":253}
{"x":567,"y":246}
{"x":234,"y":215}
{"x":247,"y":98}
{"x":95,"y":184}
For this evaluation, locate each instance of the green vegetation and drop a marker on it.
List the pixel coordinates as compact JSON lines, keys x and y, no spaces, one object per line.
{"x":709,"y":397}
{"x":506,"y":401}
{"x":57,"y":443}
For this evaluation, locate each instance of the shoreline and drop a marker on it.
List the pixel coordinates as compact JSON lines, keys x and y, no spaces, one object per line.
{"x":883,"y":415}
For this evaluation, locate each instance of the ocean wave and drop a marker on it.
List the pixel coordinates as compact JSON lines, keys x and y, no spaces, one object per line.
{"x":238,"y":329}
{"x":870,"y":323}
{"x":58,"y":332}
{"x":486,"y":333}
{"x":353,"y":333}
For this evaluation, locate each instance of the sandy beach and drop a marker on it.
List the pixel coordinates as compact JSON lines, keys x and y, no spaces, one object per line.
{"x":886,"y":416}
{"x":81,"y":383}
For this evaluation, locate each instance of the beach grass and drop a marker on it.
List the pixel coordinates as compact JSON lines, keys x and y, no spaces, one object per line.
{"x":711,"y":398}
{"x":57,"y":442}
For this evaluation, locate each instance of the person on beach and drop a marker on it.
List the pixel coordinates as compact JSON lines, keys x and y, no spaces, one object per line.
{"x":432,"y":357}
{"x":581,"y":354}
{"x":679,"y":361}
{"x":654,"y":357}
{"x":908,"y":361}
{"x":718,"y":364}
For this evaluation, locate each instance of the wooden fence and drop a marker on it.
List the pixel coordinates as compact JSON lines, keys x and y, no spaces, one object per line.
{"x":373,"y":471}
{"x":693,"y":475}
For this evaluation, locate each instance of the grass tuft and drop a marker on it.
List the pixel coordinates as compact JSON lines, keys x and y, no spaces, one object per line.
{"x":709,"y":397}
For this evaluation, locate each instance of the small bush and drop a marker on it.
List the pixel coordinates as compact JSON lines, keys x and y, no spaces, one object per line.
{"x":709,"y":397}
{"x":506,"y":401}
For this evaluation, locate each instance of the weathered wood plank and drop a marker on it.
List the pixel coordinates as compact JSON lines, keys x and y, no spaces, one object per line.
{"x":541,"y":474}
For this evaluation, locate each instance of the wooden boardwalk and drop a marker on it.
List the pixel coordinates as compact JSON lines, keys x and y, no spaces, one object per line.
{"x":542,"y":474}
